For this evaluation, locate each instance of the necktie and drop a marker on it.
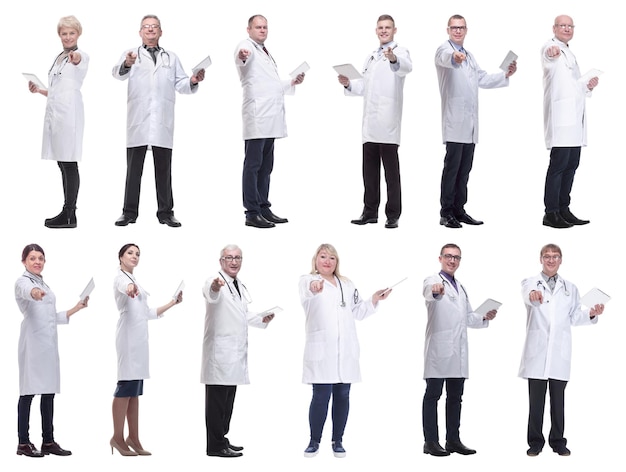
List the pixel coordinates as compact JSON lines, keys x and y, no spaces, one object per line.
{"x":266,"y":51}
{"x":552,"y":282}
{"x":236,"y":284}
{"x":153,"y":52}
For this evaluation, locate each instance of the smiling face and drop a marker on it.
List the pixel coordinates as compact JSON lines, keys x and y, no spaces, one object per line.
{"x":130,"y":259}
{"x":457,"y":29}
{"x":385,"y":30}
{"x":69,"y":37}
{"x":34,"y":262}
{"x":231,"y":262}
{"x":550,"y":262}
{"x":563,"y":28}
{"x":258,"y":30}
{"x":450,"y":260}
{"x":150,"y":31}
{"x":326,"y":264}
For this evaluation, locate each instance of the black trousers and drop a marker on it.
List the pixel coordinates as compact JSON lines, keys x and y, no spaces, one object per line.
{"x":454,"y":394}
{"x":135,"y":158}
{"x":373,"y":155}
{"x":218,"y":409}
{"x":257,"y":170}
{"x":71,"y":183}
{"x":47,"y":415}
{"x":560,"y":177}
{"x":537,"y":399}
{"x":456,"y":169}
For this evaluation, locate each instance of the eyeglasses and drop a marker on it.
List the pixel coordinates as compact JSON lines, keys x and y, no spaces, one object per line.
{"x":555,"y":257}
{"x":232,"y":258}
{"x":457,"y":28}
{"x":565,"y":26}
{"x":450,"y":257}
{"x":150,"y":27}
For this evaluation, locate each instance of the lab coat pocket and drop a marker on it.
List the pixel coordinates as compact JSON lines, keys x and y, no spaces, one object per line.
{"x":456,"y":110}
{"x":565,"y":112}
{"x":442,"y":344}
{"x":315,"y":345}
{"x":226,"y":349}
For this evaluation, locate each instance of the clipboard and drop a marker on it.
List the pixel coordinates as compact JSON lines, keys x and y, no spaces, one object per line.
{"x":301,"y":69}
{"x":348,"y":70}
{"x":487,"y":306}
{"x":179,"y":289}
{"x":87,"y":290}
{"x":204,"y":63}
{"x":35,"y":80}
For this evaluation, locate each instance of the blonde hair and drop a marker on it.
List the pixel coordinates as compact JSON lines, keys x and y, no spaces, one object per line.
{"x":70,"y":22}
{"x":330,"y":249}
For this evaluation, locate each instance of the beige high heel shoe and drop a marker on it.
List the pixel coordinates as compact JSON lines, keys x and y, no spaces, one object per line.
{"x":123,"y":452}
{"x":138,"y":450}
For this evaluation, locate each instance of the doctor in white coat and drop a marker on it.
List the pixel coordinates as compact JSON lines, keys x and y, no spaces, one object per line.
{"x":263,"y":113}
{"x":131,"y":344}
{"x":65,"y":117}
{"x":382,"y":88}
{"x":154,"y":76}
{"x":225,"y":348}
{"x":565,"y":122}
{"x":553,"y":306}
{"x":331,"y":304}
{"x":38,"y":351}
{"x":446,"y":351}
{"x":460,"y":77}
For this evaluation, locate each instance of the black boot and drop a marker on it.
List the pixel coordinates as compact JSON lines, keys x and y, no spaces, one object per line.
{"x":570,"y":218}
{"x":555,"y":220}
{"x":65,"y":219}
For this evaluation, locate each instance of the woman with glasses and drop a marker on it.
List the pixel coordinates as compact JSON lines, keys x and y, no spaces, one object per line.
{"x":64,"y":120}
{"x":131,"y":343}
{"x":331,"y":303}
{"x":38,"y":351}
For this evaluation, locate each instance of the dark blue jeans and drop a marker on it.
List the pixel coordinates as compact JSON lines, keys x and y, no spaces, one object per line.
{"x":47,"y":414}
{"x":560,"y":177}
{"x":257,"y":169}
{"x":454,"y":393}
{"x":319,"y":409}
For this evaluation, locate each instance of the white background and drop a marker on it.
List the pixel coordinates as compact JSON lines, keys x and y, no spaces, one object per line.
{"x":317,"y":185}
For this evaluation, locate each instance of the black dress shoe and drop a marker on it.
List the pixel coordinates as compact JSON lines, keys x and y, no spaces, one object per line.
{"x":125,"y":220}
{"x":233,"y":447}
{"x":170,"y":221}
{"x":555,"y":220}
{"x":563,"y":451}
{"x":459,"y":448}
{"x":391,"y":223}
{"x":434,"y":449}
{"x":465,"y":218}
{"x":257,"y":221}
{"x":271,"y":217}
{"x":28,"y":450}
{"x":450,"y":222}
{"x":226,"y":452}
{"x":363,"y":220}
{"x":533,"y":451}
{"x":55,"y":449}
{"x":570,"y":218}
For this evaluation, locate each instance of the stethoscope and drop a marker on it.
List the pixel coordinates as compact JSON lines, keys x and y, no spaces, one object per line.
{"x":567,"y":58}
{"x":134,"y":282}
{"x":64,"y":62}
{"x":260,"y":48}
{"x":452,"y":296}
{"x":543,"y":287}
{"x":355,"y":295}
{"x":369,"y":61}
{"x":243,"y":291}
{"x":162,"y":52}
{"x":35,"y":280}
{"x":468,"y":58}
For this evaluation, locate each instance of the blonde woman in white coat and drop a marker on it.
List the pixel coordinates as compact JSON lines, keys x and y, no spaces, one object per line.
{"x":331,"y":303}
{"x":38,"y":351}
{"x":64,"y":120}
{"x":131,"y":343}
{"x":553,"y":306}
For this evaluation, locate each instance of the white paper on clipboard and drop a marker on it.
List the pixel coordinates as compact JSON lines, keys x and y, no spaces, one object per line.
{"x":206,"y":62}
{"x":301,"y":69}
{"x":35,"y":80}
{"x":347,"y":70}
{"x":487,"y":306}
{"x":87,"y":291}
{"x":397,"y":283}
{"x":510,"y":57}
{"x":590,"y":74}
{"x":274,"y":310}
{"x":594,"y":297}
{"x":180,"y":288}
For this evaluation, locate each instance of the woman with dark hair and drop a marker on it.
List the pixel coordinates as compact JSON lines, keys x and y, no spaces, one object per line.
{"x":131,"y":343}
{"x":65,"y":118}
{"x":331,"y":354}
{"x":38,"y":351}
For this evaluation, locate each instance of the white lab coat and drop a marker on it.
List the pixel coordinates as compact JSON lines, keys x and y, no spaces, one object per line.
{"x":382,"y":90}
{"x":458,"y":86}
{"x":331,"y":351}
{"x":564,"y":121}
{"x":225,"y":344}
{"x":131,"y":336}
{"x":64,"y":120}
{"x":152,"y":96}
{"x":38,"y":347}
{"x":548,"y":347}
{"x":449,"y":316}
{"x":263,"y":109}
